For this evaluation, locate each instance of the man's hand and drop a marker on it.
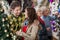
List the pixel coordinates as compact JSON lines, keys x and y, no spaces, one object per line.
{"x":18,"y":33}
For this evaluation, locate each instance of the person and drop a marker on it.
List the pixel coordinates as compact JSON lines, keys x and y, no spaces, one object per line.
{"x":27,"y":3}
{"x":39,"y":2}
{"x":42,"y":32}
{"x":15,"y":18}
{"x":25,"y":24}
{"x":47,"y":20}
{"x":32,"y":29}
{"x":9,"y":1}
{"x":16,"y":12}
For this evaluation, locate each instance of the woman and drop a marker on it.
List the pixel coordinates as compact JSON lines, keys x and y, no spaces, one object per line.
{"x":32,"y":29}
{"x":42,"y":32}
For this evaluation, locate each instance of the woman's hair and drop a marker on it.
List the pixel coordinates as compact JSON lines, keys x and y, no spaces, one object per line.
{"x":31,"y":14}
{"x":15,"y":4}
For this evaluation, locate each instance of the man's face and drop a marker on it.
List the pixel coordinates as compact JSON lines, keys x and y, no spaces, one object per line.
{"x":46,"y":12}
{"x":17,"y":11}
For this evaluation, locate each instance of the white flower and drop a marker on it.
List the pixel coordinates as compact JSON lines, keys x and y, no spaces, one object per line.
{"x":3,"y":19}
{"x":7,"y":35}
{"x":8,"y":25}
{"x":5,"y":30}
{"x":2,"y":39}
{"x":11,"y":34}
{"x":3,"y":25}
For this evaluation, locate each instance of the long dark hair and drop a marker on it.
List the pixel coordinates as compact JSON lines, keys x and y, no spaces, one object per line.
{"x":31,"y":14}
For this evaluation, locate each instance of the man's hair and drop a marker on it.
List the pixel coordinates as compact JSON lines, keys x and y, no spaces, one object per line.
{"x":15,"y":4}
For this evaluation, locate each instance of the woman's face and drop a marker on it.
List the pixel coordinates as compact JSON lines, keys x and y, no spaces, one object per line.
{"x":39,"y":13}
{"x":26,"y":15}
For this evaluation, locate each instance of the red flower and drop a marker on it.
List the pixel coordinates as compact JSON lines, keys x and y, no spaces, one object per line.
{"x":24,"y":29}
